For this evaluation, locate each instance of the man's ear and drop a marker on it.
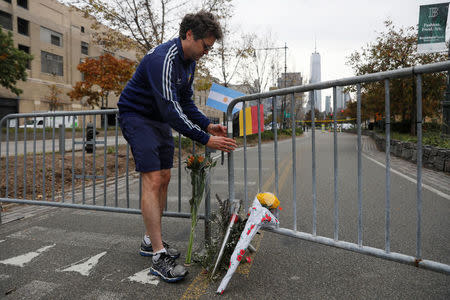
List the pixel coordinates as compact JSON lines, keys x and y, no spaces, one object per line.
{"x":189,"y":35}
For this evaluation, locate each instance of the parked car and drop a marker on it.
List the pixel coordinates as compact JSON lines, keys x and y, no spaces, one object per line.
{"x":68,"y":122}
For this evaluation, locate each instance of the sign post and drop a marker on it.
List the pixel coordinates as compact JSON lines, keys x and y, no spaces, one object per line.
{"x":431,"y":38}
{"x":432,"y":26}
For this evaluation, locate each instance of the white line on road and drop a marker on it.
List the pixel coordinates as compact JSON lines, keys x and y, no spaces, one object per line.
{"x":425,"y":186}
{"x":85,"y":265}
{"x":144,"y":277}
{"x":23,"y":259}
{"x":1,"y":241}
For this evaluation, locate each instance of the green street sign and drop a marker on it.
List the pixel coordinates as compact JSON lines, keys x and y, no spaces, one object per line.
{"x":432,"y":26}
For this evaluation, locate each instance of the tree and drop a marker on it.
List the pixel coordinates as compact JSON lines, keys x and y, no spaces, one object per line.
{"x":317,"y":115}
{"x":262,"y":68}
{"x":397,"y":48}
{"x":13,"y":63}
{"x":143,"y":24}
{"x":102,"y":76}
{"x":54,"y":97}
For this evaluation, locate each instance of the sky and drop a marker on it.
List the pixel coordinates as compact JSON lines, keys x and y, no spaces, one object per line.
{"x":338,"y":28}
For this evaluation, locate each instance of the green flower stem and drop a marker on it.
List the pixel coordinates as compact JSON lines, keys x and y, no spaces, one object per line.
{"x":198,"y":188}
{"x":191,"y":236}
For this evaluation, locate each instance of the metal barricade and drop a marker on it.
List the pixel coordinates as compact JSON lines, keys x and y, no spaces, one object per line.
{"x":385,"y":253}
{"x":92,"y":148}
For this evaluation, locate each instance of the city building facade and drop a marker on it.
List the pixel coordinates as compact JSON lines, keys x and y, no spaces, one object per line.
{"x":315,"y":73}
{"x":328,"y":108}
{"x":59,"y":38}
{"x":290,"y":79}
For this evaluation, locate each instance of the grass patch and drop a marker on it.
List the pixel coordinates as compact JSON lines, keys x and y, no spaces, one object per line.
{"x":430,"y":138}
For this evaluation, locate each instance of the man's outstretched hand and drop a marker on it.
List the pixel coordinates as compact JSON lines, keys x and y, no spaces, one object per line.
{"x":217,"y":129}
{"x":221,"y":143}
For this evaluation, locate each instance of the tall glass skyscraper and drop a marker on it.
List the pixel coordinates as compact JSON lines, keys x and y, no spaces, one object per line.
{"x":316,"y":77}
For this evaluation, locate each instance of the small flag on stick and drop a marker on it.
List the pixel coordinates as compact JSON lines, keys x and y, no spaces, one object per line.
{"x":220,"y":97}
{"x":251,"y":120}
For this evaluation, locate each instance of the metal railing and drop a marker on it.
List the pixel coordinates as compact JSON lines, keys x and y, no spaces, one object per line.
{"x":386,"y":253}
{"x":92,"y":166}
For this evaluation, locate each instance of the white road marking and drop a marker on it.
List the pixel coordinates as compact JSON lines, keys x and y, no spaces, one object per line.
{"x":144,"y":277}
{"x":23,"y":259}
{"x":85,"y":265}
{"x":424,"y":186}
{"x":1,"y":241}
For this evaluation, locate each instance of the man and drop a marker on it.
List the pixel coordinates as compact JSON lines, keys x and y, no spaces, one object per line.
{"x":157,"y":98}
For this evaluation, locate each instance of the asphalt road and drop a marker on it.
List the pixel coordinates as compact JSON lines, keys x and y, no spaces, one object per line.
{"x":49,"y":253}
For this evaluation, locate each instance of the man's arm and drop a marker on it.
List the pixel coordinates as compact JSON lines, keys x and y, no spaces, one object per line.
{"x":189,"y":107}
{"x":161,"y":78}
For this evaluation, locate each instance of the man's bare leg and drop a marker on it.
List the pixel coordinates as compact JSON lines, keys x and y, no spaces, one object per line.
{"x":165,"y":174}
{"x":150,"y":206}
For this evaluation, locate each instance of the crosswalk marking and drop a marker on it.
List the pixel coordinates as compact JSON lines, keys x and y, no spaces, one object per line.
{"x":85,"y":265}
{"x":23,"y":259}
{"x":144,"y":277}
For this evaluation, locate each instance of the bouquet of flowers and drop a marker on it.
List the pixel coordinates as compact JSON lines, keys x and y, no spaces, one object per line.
{"x":199,"y":167}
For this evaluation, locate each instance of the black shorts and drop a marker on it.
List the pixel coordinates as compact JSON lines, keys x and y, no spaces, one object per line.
{"x":151,"y":142}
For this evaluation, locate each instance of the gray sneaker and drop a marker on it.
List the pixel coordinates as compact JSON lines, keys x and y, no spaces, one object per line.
{"x":166,"y":268}
{"x":147,"y":250}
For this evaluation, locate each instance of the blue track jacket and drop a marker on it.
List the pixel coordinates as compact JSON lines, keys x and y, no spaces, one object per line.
{"x":161,"y":90}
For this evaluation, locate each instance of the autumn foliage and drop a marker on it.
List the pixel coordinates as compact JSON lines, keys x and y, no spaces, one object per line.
{"x":102,"y":76}
{"x":393,"y":49}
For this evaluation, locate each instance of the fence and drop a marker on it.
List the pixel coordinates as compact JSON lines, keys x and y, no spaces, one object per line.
{"x":386,"y":253}
{"x":83,"y":176}
{"x":88,"y":168}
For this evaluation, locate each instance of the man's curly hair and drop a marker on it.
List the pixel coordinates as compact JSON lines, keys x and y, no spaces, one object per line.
{"x":203,"y":24}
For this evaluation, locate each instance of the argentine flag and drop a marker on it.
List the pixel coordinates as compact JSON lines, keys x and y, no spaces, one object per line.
{"x":220,"y":96}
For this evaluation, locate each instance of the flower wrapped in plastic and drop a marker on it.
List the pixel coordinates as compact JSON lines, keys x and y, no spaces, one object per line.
{"x":259,"y":217}
{"x":199,"y":168}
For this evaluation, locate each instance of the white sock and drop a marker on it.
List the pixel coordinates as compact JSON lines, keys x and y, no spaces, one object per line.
{"x":157,"y":254}
{"x":147,"y":239}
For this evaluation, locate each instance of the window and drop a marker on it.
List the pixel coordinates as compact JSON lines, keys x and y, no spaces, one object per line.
{"x":51,"y":63}
{"x":23,"y":26}
{"x":55,"y":40}
{"x":82,"y":29}
{"x":51,"y":37}
{"x":25,"y":49}
{"x":5,"y":20}
{"x":84,"y":48}
{"x":23,"y":3}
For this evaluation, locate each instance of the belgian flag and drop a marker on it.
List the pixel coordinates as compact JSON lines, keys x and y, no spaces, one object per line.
{"x":251,"y":120}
